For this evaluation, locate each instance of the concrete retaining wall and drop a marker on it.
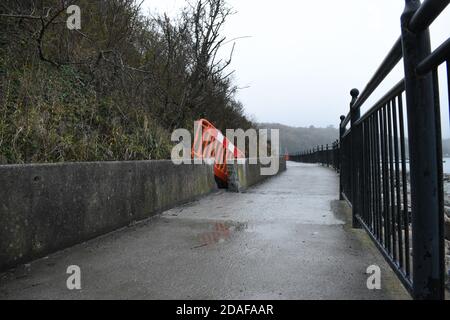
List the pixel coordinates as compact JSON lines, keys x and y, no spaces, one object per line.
{"x":45,"y":208}
{"x":244,"y":175}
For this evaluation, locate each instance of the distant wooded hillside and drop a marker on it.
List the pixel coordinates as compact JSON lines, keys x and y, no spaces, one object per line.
{"x":297,"y":139}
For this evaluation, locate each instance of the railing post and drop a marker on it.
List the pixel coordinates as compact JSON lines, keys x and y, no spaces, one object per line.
{"x":338,"y":147}
{"x":341,"y":159}
{"x":336,"y":156}
{"x":316,"y":154}
{"x":321,"y":156}
{"x":426,"y":200}
{"x":355,"y":114}
{"x":331,"y":156}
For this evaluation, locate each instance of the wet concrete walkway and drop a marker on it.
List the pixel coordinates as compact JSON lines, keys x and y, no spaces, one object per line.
{"x":287,"y":238}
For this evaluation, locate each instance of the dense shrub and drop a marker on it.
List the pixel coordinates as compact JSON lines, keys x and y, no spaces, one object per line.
{"x":114,"y":90}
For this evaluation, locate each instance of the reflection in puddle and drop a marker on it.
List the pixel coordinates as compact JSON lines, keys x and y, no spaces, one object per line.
{"x":221,"y":232}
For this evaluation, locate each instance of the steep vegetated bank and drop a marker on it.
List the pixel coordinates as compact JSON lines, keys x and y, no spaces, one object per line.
{"x":115,"y":89}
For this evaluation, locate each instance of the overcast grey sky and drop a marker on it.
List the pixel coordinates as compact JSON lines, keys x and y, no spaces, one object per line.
{"x":304,"y":56}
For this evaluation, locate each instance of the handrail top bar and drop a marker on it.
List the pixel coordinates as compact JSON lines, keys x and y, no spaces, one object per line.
{"x":426,"y":14}
{"x":395,"y":91}
{"x":438,"y":56}
{"x":345,"y":121}
{"x":391,"y":60}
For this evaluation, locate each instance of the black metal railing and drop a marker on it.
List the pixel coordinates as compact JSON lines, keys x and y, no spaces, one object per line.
{"x":327,"y":155}
{"x":390,"y":159}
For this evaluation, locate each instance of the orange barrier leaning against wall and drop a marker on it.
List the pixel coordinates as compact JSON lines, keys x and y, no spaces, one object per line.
{"x":211,"y":145}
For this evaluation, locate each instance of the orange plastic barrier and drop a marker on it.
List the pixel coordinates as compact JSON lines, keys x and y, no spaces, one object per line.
{"x":286,"y":155}
{"x":210,"y":143}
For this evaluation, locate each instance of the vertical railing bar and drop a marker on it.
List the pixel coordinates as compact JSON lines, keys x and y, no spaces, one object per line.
{"x":382,"y":198}
{"x":440,"y":169}
{"x":367,"y":173}
{"x":448,"y":83}
{"x":371,"y":176}
{"x":388,"y":182}
{"x":405,"y":186}
{"x":368,"y":176}
{"x":379,"y":180}
{"x":374,"y":174}
{"x":349,"y":176}
{"x":356,"y":158}
{"x":344,"y":165}
{"x":364,"y":171}
{"x":375,"y":157}
{"x":361,"y":187}
{"x":349,"y":168}
{"x":397,"y":183}
{"x":391,"y":181}
{"x":387,"y":235}
{"x":387,"y":185}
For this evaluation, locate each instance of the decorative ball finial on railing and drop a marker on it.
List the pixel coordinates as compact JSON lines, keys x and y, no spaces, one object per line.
{"x":342,"y":118}
{"x":354,"y":93}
